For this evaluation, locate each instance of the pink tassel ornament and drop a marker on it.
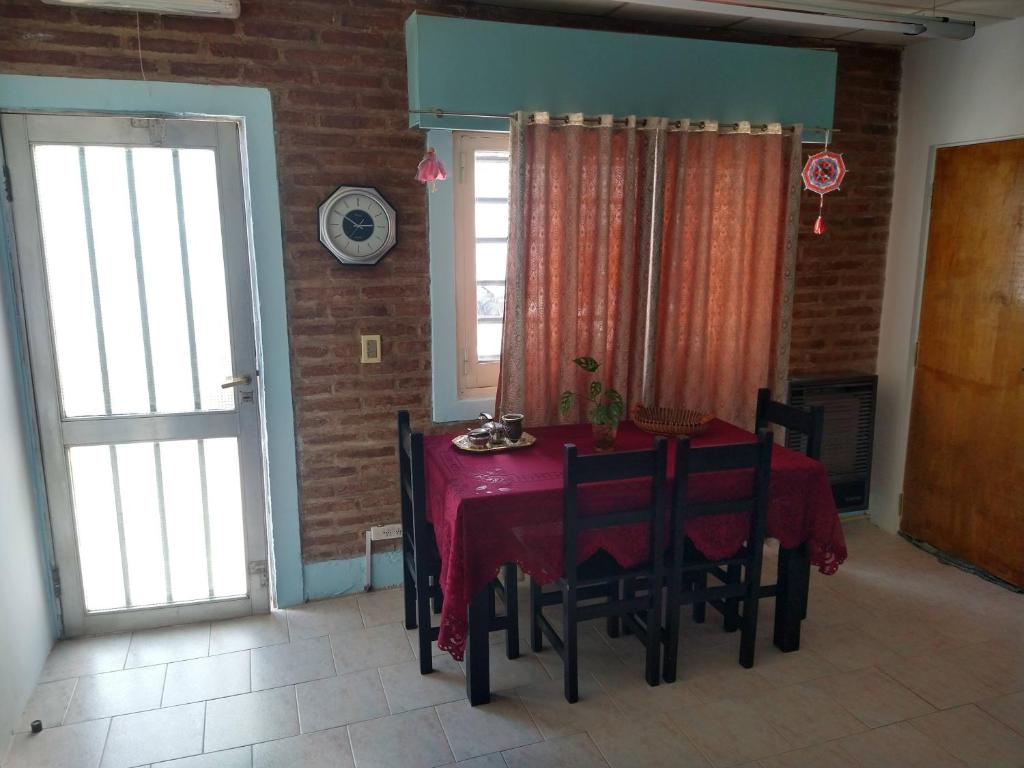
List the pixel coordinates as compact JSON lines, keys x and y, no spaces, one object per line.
{"x":431,"y":170}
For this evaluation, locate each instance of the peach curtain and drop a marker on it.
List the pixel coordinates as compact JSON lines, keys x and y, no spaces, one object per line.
{"x":581,"y":203}
{"x":726,"y":257}
{"x":666,"y":255}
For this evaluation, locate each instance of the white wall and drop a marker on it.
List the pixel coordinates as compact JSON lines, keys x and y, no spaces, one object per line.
{"x":26,"y":631}
{"x":953,"y":93}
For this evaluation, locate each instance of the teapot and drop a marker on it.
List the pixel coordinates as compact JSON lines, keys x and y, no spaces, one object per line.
{"x":495,"y":427}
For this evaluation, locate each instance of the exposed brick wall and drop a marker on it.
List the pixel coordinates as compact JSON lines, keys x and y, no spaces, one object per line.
{"x":336,"y":71}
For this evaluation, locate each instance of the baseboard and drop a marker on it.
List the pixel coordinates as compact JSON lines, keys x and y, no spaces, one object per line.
{"x":332,"y":578}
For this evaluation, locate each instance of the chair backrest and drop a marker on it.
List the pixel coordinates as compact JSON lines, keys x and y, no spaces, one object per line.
{"x":808,"y":421}
{"x":412,"y":488}
{"x":755,"y":456}
{"x":605,"y":467}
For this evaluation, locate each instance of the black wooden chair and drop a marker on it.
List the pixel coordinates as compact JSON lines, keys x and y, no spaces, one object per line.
{"x":808,"y":422}
{"x":595,"y":588}
{"x":688,"y":569}
{"x":422,"y":562}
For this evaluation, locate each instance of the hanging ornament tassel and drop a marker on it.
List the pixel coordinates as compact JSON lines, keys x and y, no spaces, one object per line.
{"x":823,"y":173}
{"x":431,"y":170}
{"x":819,"y":223}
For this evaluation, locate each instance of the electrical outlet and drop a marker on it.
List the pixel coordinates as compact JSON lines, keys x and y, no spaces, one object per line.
{"x":383,"y":532}
{"x":371,"y":348}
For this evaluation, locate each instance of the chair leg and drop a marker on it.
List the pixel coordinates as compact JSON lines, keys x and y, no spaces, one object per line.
{"x":614,"y":624}
{"x":437,"y":596}
{"x":671,"y":633}
{"x":408,"y":594}
{"x":748,"y":638}
{"x":700,"y":610}
{"x":628,"y":593}
{"x":653,"y":663}
{"x":732,"y":605}
{"x":511,"y":611}
{"x":570,"y":662}
{"x":423,"y":618}
{"x":536,"y":639}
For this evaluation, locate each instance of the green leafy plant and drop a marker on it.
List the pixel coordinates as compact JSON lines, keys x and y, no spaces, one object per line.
{"x":606,"y":405}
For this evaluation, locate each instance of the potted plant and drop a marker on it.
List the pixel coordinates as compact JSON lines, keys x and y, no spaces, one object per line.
{"x":606,"y":406}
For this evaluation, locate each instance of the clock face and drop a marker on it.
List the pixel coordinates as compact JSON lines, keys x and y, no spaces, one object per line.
{"x":357,"y":225}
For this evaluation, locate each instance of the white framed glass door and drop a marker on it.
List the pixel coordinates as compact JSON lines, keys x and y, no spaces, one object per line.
{"x":134,"y":271}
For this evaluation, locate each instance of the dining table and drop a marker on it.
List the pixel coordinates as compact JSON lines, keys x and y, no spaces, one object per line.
{"x":489,"y":509}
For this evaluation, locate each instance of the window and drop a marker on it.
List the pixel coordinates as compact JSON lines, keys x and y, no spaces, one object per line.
{"x":481,"y":189}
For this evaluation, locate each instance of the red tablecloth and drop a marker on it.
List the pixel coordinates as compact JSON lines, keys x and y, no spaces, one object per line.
{"x":492,"y":509}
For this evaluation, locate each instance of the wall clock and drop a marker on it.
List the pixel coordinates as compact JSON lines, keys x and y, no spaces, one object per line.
{"x":357,"y":225}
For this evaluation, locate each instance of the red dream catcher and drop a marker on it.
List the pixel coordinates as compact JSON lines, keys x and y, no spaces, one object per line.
{"x":823,"y":173}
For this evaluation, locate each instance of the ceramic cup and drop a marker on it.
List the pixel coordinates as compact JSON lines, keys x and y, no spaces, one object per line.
{"x":513,"y":426}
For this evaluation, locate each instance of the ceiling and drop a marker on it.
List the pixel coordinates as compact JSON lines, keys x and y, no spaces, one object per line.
{"x":982,"y":12}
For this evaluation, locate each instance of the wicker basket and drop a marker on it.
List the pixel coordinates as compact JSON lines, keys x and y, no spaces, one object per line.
{"x":671,"y":421}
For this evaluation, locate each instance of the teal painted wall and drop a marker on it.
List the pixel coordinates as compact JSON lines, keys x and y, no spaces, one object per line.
{"x":331,"y":578}
{"x":253,"y":107}
{"x":463,"y":65}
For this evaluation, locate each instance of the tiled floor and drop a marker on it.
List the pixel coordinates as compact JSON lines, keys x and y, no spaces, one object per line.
{"x":905,"y":662}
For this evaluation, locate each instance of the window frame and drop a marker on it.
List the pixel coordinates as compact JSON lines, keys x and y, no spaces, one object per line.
{"x":474,"y":378}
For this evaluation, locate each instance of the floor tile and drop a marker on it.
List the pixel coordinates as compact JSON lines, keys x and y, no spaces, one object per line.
{"x":324,"y":617}
{"x":507,"y":673}
{"x":248,"y":632}
{"x":71,"y":746}
{"x":251,"y":718}
{"x":895,"y":746}
{"x":973,"y":736}
{"x":738,"y":683}
{"x":847,"y":648}
{"x":998,"y":664}
{"x":295,"y":662}
{"x":729,"y":733}
{"x":423,"y":743}
{"x":407,"y":689}
{"x":577,"y":751}
{"x":167,"y":644}
{"x":150,"y":737}
{"x":383,"y":607}
{"x":116,"y":693}
{"x":48,"y":704}
{"x":341,"y":700}
{"x":555,"y":716}
{"x":325,"y":749}
{"x":240,"y":757}
{"x":368,"y":648}
{"x":502,"y":723}
{"x":485,"y":761}
{"x":780,"y":668}
{"x":1007,"y":709}
{"x":628,"y":743}
{"x":208,"y":678}
{"x":634,"y":695}
{"x":414,"y":643}
{"x":939,"y":681}
{"x":873,"y":697}
{"x":819,"y":756}
{"x":85,"y":656}
{"x":805,"y":715}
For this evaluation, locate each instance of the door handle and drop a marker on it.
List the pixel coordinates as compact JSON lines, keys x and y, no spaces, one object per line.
{"x":236,"y":381}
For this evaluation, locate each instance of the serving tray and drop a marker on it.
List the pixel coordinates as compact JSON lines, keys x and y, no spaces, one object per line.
{"x":462,"y":443}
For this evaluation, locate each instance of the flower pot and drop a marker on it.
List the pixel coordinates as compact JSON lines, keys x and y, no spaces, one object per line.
{"x":604,"y":436}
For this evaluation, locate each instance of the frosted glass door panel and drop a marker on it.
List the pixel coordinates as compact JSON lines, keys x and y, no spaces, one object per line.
{"x":135,"y":270}
{"x":158,"y":523}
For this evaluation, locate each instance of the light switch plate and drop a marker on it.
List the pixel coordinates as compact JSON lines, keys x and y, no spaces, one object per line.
{"x":371,"y":348}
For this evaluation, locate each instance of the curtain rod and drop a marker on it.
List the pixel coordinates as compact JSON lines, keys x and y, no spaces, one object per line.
{"x":699,"y":124}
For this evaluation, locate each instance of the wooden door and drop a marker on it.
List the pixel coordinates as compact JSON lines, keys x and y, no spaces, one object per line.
{"x":963,"y":491}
